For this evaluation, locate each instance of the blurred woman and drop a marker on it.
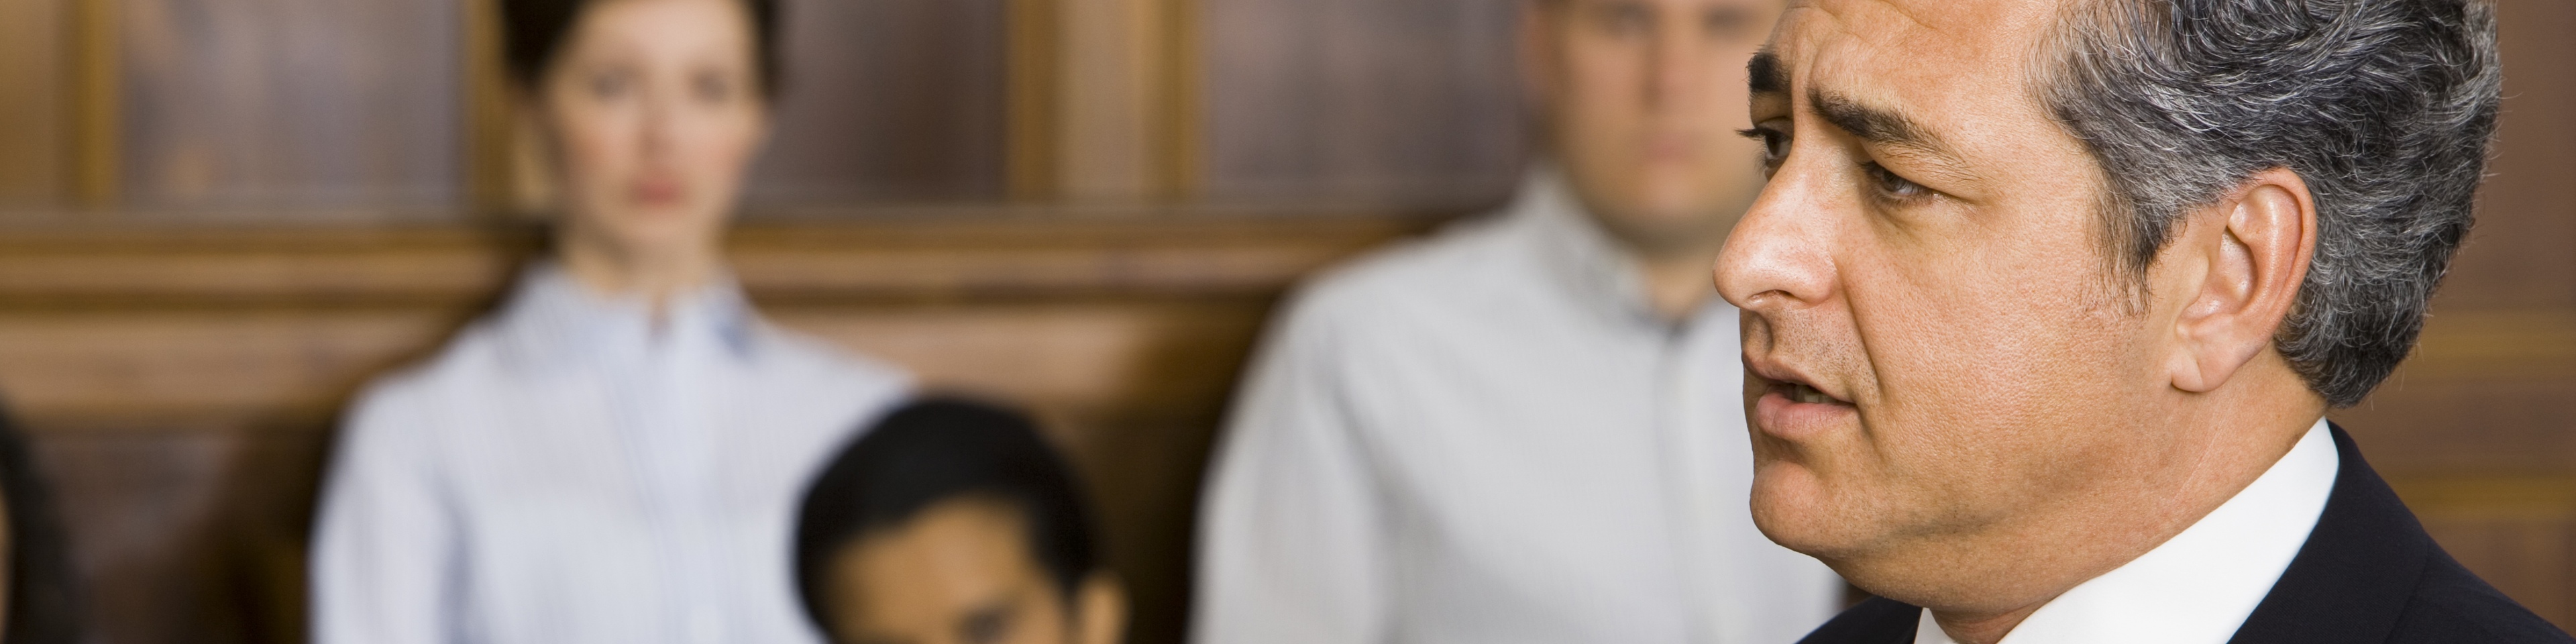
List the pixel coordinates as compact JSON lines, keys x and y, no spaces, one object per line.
{"x":613,"y":456}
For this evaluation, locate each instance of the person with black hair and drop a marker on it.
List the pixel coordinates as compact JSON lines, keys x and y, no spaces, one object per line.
{"x":953,"y":522}
{"x":42,"y":606}
{"x":614,"y":455}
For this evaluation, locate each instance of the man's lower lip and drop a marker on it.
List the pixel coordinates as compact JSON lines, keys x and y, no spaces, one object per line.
{"x":1775,"y":414}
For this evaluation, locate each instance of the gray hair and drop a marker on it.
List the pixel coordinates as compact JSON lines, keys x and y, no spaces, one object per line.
{"x":2384,"y":107}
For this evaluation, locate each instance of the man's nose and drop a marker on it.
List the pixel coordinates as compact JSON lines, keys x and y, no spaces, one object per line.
{"x":1781,"y":253}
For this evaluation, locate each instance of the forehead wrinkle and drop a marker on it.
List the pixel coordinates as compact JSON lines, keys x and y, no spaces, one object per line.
{"x":1843,"y":11}
{"x":1954,"y":18}
{"x":1907,"y":15}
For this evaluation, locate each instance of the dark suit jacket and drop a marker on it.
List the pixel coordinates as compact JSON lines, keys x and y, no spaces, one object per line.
{"x":2368,"y":573}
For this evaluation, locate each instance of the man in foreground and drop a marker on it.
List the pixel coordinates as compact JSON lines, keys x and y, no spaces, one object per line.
{"x":1501,"y":434}
{"x":2046,"y":300}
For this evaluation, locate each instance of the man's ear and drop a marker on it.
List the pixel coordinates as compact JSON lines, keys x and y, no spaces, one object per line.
{"x":2238,"y":264}
{"x":1103,"y":603}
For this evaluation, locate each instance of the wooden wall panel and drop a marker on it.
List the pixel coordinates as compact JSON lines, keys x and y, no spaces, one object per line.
{"x":889,"y":100}
{"x":33,"y":66}
{"x":2486,"y":391}
{"x":291,"y":103}
{"x":202,"y":366}
{"x":161,"y":521}
{"x":1121,"y":125}
{"x":1386,"y":101}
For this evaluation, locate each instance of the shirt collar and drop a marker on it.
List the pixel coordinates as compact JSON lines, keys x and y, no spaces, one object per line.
{"x":553,"y":319}
{"x":2199,"y":586}
{"x":1581,"y":256}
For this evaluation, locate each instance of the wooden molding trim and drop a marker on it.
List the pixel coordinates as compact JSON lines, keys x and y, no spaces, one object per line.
{"x":2493,"y":345}
{"x":2527,"y":496}
{"x":930,"y":254}
{"x":1106,"y":317}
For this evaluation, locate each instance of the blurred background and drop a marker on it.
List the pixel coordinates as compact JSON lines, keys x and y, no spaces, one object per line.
{"x":218,"y":217}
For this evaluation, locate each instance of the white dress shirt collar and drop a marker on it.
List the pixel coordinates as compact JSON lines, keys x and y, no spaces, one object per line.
{"x":554,"y":321}
{"x":2199,"y":586}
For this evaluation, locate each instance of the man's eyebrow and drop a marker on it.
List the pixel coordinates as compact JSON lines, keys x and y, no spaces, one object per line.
{"x":1765,"y":75}
{"x":1876,"y":124}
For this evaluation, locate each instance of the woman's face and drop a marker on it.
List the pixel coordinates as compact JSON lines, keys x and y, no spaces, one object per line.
{"x":653,"y":107}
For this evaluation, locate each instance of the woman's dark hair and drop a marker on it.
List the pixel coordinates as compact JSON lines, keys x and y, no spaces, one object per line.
{"x":533,"y":34}
{"x":939,"y":450}
{"x":43,"y":603}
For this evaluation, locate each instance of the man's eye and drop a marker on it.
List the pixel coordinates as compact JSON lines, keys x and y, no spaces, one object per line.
{"x":1894,"y":187}
{"x":1775,"y":147}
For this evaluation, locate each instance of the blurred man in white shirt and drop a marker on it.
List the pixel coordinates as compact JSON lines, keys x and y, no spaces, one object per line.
{"x":1520,"y":430}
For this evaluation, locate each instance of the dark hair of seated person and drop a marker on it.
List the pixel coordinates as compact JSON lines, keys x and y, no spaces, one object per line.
{"x":534,"y":31}
{"x":43,"y":603}
{"x":937,"y":450}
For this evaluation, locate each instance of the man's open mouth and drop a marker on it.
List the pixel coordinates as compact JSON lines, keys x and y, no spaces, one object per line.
{"x":1800,"y":392}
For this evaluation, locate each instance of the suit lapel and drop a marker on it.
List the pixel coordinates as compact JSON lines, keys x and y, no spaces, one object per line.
{"x":1877,"y":620}
{"x":2359,"y":568}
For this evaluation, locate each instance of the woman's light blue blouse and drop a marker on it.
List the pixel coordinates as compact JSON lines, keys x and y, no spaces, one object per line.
{"x":571,"y":470}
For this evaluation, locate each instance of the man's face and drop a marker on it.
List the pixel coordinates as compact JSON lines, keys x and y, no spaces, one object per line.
{"x":959,"y":573}
{"x":1643,"y":98}
{"x":1935,"y":347}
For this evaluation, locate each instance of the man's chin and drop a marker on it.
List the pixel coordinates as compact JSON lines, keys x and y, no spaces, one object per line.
{"x":1791,"y":507}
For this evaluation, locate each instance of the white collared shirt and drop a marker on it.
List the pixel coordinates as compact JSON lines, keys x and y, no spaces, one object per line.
{"x":2199,"y":586}
{"x":571,"y":471}
{"x":1489,"y":437}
